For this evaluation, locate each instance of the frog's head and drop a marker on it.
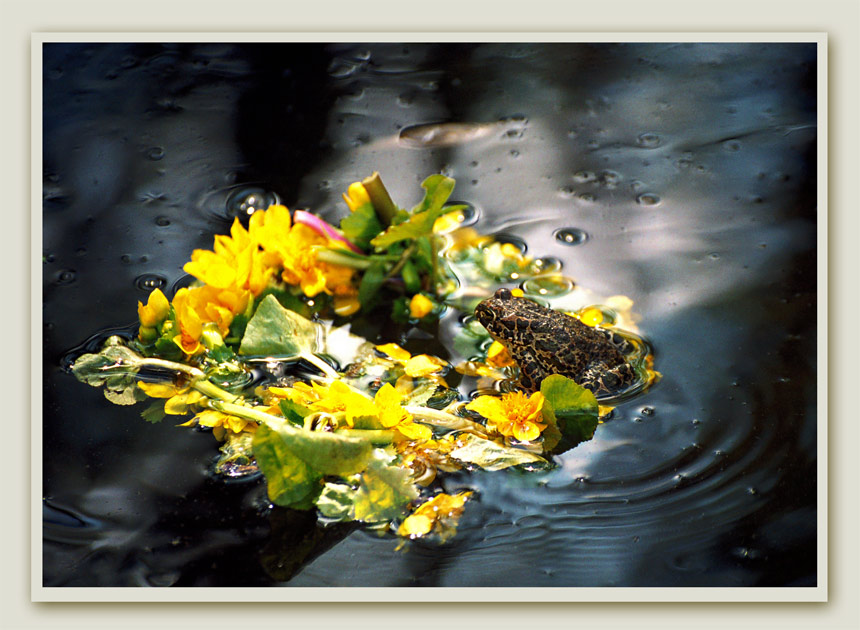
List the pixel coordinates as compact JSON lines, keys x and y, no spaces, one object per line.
{"x":493,"y":309}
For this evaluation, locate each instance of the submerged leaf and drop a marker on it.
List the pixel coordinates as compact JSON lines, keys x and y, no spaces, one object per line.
{"x":277,"y":331}
{"x":491,"y":455}
{"x":383,"y":493}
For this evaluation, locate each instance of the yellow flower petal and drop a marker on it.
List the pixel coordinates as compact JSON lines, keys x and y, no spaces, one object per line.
{"x":159,"y":390}
{"x":356,"y":196}
{"x":423,"y":365}
{"x":395,"y":352}
{"x":498,"y":356}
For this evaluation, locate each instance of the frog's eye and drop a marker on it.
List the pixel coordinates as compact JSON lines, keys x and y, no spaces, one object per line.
{"x":504,"y":294}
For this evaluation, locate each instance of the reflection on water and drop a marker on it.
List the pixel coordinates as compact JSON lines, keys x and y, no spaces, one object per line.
{"x":679,"y":175}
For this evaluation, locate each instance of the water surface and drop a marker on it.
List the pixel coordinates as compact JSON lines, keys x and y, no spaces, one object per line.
{"x":684,"y":178}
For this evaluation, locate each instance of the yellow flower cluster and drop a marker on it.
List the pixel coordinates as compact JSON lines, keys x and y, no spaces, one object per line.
{"x":339,"y":398}
{"x":238,"y":268}
{"x":180,"y":400}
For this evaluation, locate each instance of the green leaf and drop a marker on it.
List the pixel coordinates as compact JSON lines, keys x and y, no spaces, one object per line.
{"x":154,"y":413}
{"x":371,"y":283}
{"x":293,"y":411}
{"x":275,"y":330}
{"x":291,"y":482}
{"x":491,"y":455}
{"x":570,"y":412}
{"x":384,"y":491}
{"x":438,"y":188}
{"x":361,"y":225}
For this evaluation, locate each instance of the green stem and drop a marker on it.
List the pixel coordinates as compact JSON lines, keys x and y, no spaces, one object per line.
{"x":400,"y":263}
{"x":445,"y":420}
{"x":379,"y":437}
{"x":321,"y":365}
{"x":250,"y":413}
{"x":334,"y":257}
{"x":210,"y":389}
{"x":379,"y":197}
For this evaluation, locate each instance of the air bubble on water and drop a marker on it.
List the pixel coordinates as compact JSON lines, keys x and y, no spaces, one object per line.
{"x":752,"y":491}
{"x":571,"y":236}
{"x":515,"y":153}
{"x":150,"y":281}
{"x":545,"y":265}
{"x":246,"y":200}
{"x":548,"y":286}
{"x":125,"y":259}
{"x":567,"y":191}
{"x":155,"y":153}
{"x":162,"y":221}
{"x":648,"y":199}
{"x":66,"y":276}
{"x":516,"y":241}
{"x":648,"y":140}
{"x":647,"y":411}
{"x":590,"y":198}
{"x":714,"y":256}
{"x":731,"y":146}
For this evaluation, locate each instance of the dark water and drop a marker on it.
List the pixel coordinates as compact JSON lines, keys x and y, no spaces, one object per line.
{"x":689,"y":170}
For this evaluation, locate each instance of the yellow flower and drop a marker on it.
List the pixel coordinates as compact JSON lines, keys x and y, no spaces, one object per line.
{"x":392,"y":416}
{"x":190,"y":323}
{"x":236,"y":262}
{"x":420,"y":306}
{"x":155,"y":311}
{"x":179,"y":399}
{"x":591,"y":316}
{"x":356,"y":196}
{"x":441,"y":512}
{"x":221,"y":423}
{"x":514,"y":414}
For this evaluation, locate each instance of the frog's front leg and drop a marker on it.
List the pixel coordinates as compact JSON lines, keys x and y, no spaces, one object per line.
{"x":601,"y":379}
{"x":531,"y":374}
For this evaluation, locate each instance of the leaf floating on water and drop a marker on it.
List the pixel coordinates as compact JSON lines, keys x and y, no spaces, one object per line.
{"x":570,"y":412}
{"x":491,"y":455}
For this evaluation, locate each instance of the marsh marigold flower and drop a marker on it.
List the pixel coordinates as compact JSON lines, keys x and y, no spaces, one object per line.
{"x":514,"y":414}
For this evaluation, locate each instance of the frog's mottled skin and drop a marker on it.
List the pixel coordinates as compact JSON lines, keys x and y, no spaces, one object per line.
{"x":544,"y":342}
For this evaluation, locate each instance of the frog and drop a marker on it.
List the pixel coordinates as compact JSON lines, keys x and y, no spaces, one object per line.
{"x":543,"y":341}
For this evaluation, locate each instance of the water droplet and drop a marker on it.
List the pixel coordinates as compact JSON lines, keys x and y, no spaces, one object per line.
{"x":162,"y":221}
{"x":516,"y":241}
{"x":584,"y":176}
{"x":49,"y":258}
{"x":248,"y":199}
{"x":150,"y":281}
{"x":647,"y":411}
{"x":515,"y":153}
{"x":714,"y":256}
{"x":752,"y":491}
{"x":125,"y":259}
{"x":545,"y":265}
{"x":548,"y":286}
{"x":155,"y":153}
{"x":571,"y":236}
{"x":648,"y":199}
{"x":648,"y":140}
{"x":609,"y":178}
{"x":66,"y":276}
{"x":470,"y":214}
{"x":588,"y":197}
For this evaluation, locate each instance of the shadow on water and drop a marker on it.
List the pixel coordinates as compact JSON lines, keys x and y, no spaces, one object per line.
{"x":685,"y":177}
